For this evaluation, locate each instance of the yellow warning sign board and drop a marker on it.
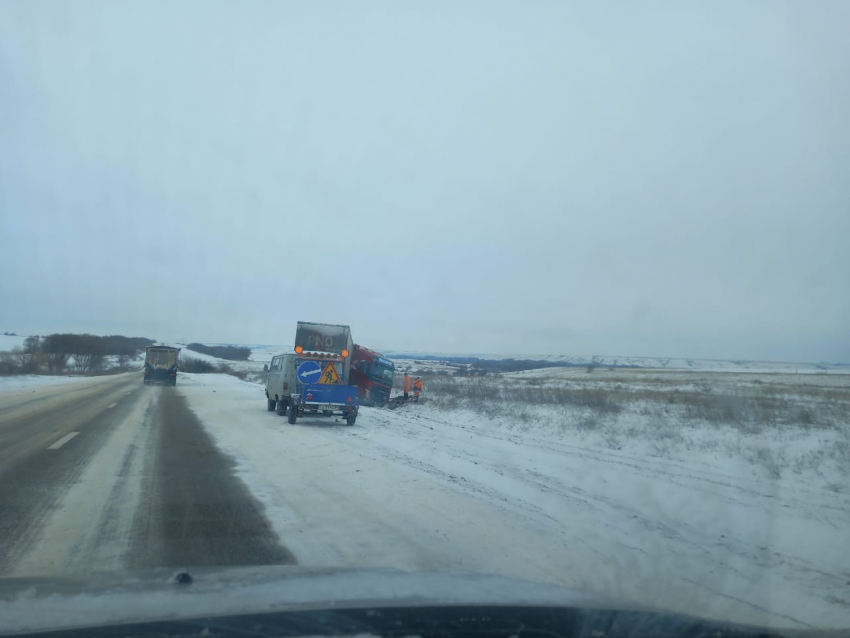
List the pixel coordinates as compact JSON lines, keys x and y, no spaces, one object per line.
{"x":330,"y":376}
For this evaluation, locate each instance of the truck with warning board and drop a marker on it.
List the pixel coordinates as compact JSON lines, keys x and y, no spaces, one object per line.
{"x":322,"y":364}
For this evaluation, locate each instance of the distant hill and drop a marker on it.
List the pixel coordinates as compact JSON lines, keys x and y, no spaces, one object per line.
{"x":629,"y":362}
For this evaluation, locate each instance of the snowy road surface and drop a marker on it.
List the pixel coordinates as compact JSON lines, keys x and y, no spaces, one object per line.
{"x":202,"y":474}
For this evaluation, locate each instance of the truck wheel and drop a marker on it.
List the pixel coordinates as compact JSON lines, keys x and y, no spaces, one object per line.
{"x":350,"y":420}
{"x":271,"y":405}
{"x":293,"y":414}
{"x":281,"y":408}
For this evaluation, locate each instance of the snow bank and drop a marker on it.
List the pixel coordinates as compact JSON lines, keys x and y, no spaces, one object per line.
{"x":186,"y":353}
{"x":259,"y":353}
{"x":264,"y":354}
{"x":36,"y":381}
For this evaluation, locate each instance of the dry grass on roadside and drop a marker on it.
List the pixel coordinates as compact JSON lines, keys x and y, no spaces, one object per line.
{"x":735,"y":405}
{"x":777,"y":425}
{"x":491,"y":390}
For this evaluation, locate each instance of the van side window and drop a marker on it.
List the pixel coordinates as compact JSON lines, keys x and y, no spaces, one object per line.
{"x":275,"y":363}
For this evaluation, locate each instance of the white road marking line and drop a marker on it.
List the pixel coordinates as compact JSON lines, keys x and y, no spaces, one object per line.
{"x":112,"y":406}
{"x":63,"y":441}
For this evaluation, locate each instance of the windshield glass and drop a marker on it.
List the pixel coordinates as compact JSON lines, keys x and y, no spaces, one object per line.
{"x":605,"y":349}
{"x":382,"y":372}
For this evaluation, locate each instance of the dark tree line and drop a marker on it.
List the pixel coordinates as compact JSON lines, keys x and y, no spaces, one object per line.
{"x":92,"y":344}
{"x":231,"y":353}
{"x":54,"y":351}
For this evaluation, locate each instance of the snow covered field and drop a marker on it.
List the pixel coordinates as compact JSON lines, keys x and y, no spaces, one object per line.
{"x":10,"y":342}
{"x":629,"y":487}
{"x":413,"y":361}
{"x":252,"y":369}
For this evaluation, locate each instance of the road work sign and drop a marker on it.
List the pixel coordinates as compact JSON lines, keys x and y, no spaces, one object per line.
{"x":330,"y":376}
{"x":309,"y":372}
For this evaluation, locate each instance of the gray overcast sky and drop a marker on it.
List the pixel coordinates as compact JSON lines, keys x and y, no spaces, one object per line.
{"x":665,"y":179}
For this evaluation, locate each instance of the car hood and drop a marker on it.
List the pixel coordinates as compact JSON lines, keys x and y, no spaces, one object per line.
{"x":41,"y":604}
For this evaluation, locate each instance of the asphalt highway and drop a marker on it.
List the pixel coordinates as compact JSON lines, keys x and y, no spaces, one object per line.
{"x":109,"y":474}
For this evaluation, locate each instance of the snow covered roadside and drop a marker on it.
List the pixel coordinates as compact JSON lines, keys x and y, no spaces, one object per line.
{"x":430,"y":490}
{"x":25,"y":381}
{"x":18,"y":390}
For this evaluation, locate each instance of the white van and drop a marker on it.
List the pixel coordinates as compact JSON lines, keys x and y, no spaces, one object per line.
{"x":280,"y":382}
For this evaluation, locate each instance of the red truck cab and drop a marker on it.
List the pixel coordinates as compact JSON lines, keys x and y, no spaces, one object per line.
{"x":372,"y":373}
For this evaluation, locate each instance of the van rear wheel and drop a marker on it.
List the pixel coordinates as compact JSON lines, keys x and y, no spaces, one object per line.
{"x":281,"y":408}
{"x":271,"y":405}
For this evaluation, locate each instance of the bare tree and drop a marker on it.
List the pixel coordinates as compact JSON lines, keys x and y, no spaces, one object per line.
{"x":8,"y":364}
{"x":96,"y":362}
{"x":28,"y":355}
{"x":83,"y":361}
{"x":89,"y":361}
{"x":56,"y":362}
{"x":57,"y":349}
